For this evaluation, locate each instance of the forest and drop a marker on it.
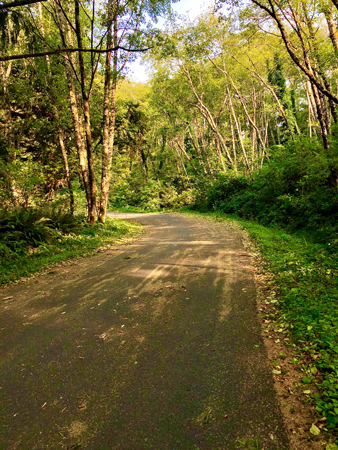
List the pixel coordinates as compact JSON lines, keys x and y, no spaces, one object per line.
{"x":239,"y":118}
{"x":239,"y":114}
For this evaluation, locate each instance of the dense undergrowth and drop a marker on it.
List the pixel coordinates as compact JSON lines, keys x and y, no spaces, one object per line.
{"x":297,"y":190}
{"x":151,"y":196}
{"x":34,"y":238}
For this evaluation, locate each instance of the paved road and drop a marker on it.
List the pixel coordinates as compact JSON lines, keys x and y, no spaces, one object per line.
{"x":155,"y":345}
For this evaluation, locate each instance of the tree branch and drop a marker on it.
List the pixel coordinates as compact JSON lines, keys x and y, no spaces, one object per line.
{"x":70,"y":50}
{"x":294,"y":57}
{"x":19,"y":3}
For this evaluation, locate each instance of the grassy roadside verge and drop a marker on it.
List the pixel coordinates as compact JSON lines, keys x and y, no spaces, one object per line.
{"x":306,"y":275}
{"x":63,"y":247}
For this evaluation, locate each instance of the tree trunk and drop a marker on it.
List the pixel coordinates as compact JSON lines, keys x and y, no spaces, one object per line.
{"x":187,"y":156}
{"x":153,"y":164}
{"x":109,"y":114}
{"x":77,"y":123}
{"x":321,"y":117}
{"x":182,"y":163}
{"x":332,"y":28}
{"x":86,"y":114}
{"x":50,"y":90}
{"x":204,"y":150}
{"x":220,"y":154}
{"x":239,"y":130}
{"x":198,"y":151}
{"x":207,"y":115}
{"x":5,"y":73}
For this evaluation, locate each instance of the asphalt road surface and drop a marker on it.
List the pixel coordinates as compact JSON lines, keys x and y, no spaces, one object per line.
{"x":154,"y":345}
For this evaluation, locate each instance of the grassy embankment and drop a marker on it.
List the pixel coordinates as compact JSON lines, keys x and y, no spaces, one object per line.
{"x":23,"y":259}
{"x":306,"y":276}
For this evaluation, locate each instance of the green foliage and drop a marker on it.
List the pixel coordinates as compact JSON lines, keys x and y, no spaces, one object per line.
{"x":36,"y":248}
{"x":20,"y":229}
{"x":276,"y":77}
{"x":151,"y":196}
{"x":61,"y":220}
{"x":296,"y":190}
{"x":307,"y":276}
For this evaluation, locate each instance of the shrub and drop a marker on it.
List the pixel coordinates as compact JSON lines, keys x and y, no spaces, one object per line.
{"x":20,"y":228}
{"x":60,"y":220}
{"x":152,"y":196}
{"x":295,"y":190}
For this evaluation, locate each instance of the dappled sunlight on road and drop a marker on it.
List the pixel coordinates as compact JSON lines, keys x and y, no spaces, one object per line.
{"x":139,"y":344}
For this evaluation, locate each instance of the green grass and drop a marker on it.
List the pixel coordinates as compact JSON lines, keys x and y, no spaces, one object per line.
{"x":140,"y":210}
{"x":306,"y":275}
{"x":63,"y":247}
{"x":129,"y":209}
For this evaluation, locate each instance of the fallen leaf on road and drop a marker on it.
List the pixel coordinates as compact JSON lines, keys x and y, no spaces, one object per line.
{"x":225,"y":416}
{"x":314,"y":430}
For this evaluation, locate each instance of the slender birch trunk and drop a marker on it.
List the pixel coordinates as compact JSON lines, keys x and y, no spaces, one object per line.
{"x":69,"y":63}
{"x":204,"y":150}
{"x":239,"y":130}
{"x":218,"y":150}
{"x":153,"y":164}
{"x":180,"y":174}
{"x":86,"y":114}
{"x":332,"y":27}
{"x":182,"y":163}
{"x":198,"y":151}
{"x":109,"y":111}
{"x":233,"y":136}
{"x":207,"y":115}
{"x":50,"y":88}
{"x":187,"y":156}
{"x":5,"y":73}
